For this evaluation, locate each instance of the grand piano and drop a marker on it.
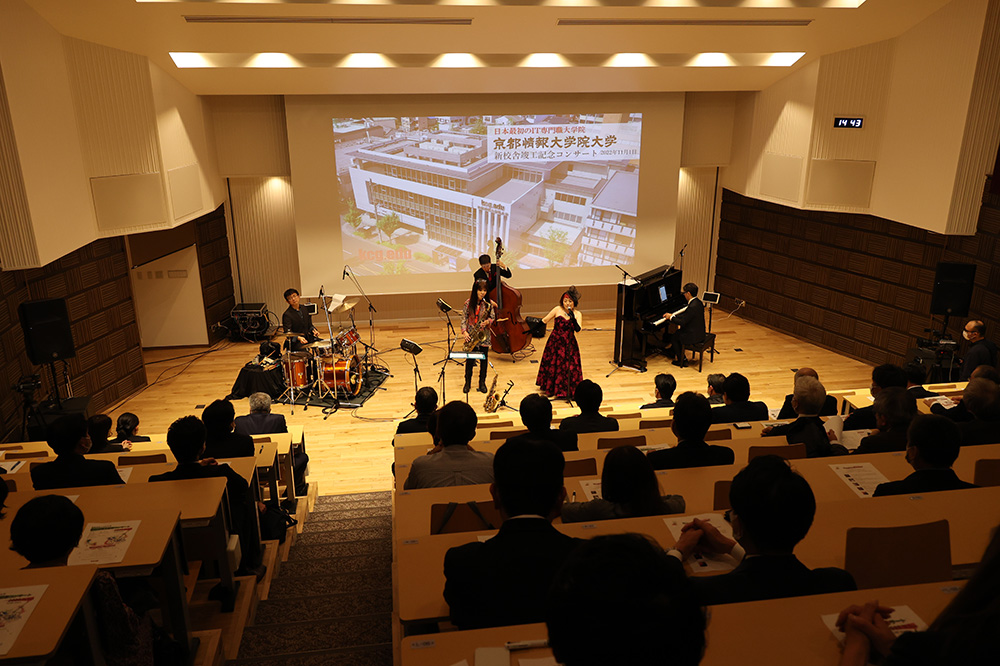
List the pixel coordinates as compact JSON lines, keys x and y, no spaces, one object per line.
{"x":639,"y":313}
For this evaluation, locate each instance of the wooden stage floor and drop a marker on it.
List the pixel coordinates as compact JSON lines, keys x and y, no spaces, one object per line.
{"x":351,"y":450}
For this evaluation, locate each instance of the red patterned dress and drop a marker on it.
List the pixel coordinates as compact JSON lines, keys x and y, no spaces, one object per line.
{"x":560,"y":370}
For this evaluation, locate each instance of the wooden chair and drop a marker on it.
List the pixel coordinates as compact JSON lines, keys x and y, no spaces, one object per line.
{"x":841,"y":402}
{"x":618,"y":416}
{"x":261,"y":439}
{"x":507,"y":434}
{"x":142,"y":459}
{"x":10,"y":447}
{"x":585,"y":467}
{"x":655,"y":423}
{"x":987,"y":472}
{"x":786,"y":451}
{"x":716,"y":435}
{"x":904,"y":555}
{"x":21,"y":455}
{"x":455,"y":517}
{"x":720,"y":497}
{"x":494,"y":424}
{"x":708,"y":344}
{"x":615,"y":442}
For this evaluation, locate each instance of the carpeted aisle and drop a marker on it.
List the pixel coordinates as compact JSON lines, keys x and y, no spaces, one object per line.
{"x":332,"y":600}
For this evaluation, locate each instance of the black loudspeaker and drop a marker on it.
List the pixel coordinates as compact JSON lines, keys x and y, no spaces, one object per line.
{"x":47,"y":333}
{"x":536,"y":326}
{"x":953,"y":289}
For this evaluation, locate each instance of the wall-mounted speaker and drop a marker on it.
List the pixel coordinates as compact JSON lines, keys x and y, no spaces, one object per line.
{"x":47,"y":334}
{"x":952,"y":293}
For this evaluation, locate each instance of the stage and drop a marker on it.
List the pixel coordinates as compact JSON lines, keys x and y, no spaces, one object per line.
{"x":350,"y":450}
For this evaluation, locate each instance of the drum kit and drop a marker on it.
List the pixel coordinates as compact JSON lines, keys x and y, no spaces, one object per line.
{"x":326,"y":368}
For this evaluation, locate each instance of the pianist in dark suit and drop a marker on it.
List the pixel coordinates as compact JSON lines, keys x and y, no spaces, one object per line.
{"x":690,"y":323}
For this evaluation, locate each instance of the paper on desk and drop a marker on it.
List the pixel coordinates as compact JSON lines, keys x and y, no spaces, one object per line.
{"x":11,"y":466}
{"x":16,"y":604}
{"x":492,"y":656}
{"x":104,"y":543}
{"x":836,"y":424}
{"x":699,"y":562}
{"x":903,"y":619}
{"x":591,"y":489}
{"x":942,"y":400}
{"x":851,"y":439}
{"x":862,"y":478}
{"x":125,"y":473}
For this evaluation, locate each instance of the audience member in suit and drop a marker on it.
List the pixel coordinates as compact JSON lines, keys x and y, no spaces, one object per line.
{"x":629,"y":488}
{"x":260,"y":420}
{"x":829,"y":407}
{"x":692,"y":418}
{"x":665,"y":385}
{"x":68,"y":437}
{"x":931,"y":449}
{"x":980,"y":352}
{"x":588,"y":397}
{"x":503,"y":581}
{"x":452,"y":462}
{"x":772,"y":510}
{"x":807,"y":401}
{"x":45,"y":531}
{"x":894,"y":409}
{"x":883,"y":376}
{"x":127,"y":430}
{"x":690,"y":324}
{"x":716,"y":382}
{"x":639,"y":609}
{"x":982,"y":398}
{"x":426,"y":403}
{"x":738,"y":407}
{"x":959,"y":412}
{"x":186,"y":439}
{"x":99,"y":427}
{"x":963,"y":633}
{"x":221,"y":442}
{"x":916,"y":375}
{"x":536,"y":415}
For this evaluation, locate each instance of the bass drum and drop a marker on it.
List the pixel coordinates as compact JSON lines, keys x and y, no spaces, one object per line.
{"x":342,"y":375}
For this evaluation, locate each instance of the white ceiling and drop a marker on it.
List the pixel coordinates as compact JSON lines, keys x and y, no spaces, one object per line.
{"x":511,"y":28}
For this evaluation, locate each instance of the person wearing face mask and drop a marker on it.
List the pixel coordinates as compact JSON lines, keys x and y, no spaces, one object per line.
{"x":980,"y":352}
{"x":560,"y":369}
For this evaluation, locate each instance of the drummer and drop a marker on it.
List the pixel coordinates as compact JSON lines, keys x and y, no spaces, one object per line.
{"x":294,"y":320}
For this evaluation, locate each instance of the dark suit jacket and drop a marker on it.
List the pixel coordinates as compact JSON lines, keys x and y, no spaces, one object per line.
{"x":417,"y":424}
{"x":480,"y":274}
{"x":504,"y":581}
{"x":588,"y":423}
{"x":662,"y":402}
{"x":923,"y":481}
{"x":893,"y":439}
{"x":920,"y":392}
{"x":133,"y":438}
{"x":978,"y":431}
{"x":786,"y":412}
{"x":861,"y":419}
{"x":691,"y":323}
{"x":232,"y":445}
{"x":811,"y":431}
{"x":746,"y":411}
{"x":564,"y":439}
{"x":958,"y":413}
{"x":770,"y":577}
{"x":691,"y":454}
{"x":983,"y":352}
{"x":260,"y":424}
{"x":106,"y":447}
{"x":71,"y":470}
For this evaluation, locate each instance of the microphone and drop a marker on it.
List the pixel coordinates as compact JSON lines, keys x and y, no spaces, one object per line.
{"x":683,"y":248}
{"x":321,"y":291}
{"x":344,"y":276}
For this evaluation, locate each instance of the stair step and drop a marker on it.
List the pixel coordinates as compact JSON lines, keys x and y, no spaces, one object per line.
{"x":339,"y":536}
{"x":289,"y":638}
{"x":345,"y":549}
{"x":314,"y":526}
{"x":209,"y":648}
{"x":286,"y":587}
{"x":273,"y":564}
{"x":206,"y":614}
{"x":296,"y":609}
{"x":323,"y":516}
{"x":381,"y":560}
{"x":371,"y":655}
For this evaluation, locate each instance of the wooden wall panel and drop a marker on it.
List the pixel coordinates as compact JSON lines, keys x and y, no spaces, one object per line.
{"x":857,"y":284}
{"x":216,"y":269}
{"x":108,"y":365}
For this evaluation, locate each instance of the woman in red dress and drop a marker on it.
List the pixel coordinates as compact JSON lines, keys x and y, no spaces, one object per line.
{"x":560,"y":371}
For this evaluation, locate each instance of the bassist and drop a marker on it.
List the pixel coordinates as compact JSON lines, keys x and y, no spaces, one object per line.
{"x":488,"y":271}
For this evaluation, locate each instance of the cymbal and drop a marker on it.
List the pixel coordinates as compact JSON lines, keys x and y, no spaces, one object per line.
{"x":345,"y":306}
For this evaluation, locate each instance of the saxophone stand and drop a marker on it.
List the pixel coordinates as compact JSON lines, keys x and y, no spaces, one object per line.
{"x":503,"y":398}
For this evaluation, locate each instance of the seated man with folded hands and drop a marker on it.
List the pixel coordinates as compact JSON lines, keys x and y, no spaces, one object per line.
{"x":772,"y":510}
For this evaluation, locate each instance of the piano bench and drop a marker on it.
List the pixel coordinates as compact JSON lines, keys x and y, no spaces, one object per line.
{"x":700,"y":348}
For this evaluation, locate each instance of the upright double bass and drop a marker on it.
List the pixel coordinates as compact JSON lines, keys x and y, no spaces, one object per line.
{"x":510,"y":331}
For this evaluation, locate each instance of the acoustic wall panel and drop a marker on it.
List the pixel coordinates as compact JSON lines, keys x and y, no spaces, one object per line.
{"x":185,"y":190}
{"x":17,"y":237}
{"x":846,"y":183}
{"x":125,"y":202}
{"x":781,"y":176}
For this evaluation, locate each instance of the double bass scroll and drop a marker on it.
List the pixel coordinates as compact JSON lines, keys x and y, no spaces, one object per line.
{"x":510,"y":331}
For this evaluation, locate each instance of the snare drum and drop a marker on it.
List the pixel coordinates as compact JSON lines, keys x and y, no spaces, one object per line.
{"x":345,"y":340}
{"x":296,"y":369}
{"x":322,"y":347}
{"x":342,"y":375}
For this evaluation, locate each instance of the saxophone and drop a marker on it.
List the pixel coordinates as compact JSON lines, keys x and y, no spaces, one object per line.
{"x":492,"y":399}
{"x":477,"y":337}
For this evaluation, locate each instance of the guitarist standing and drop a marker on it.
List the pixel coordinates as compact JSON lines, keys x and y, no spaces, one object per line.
{"x":477,"y":317}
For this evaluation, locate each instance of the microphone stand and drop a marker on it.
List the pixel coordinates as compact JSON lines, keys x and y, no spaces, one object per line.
{"x":371,"y":320}
{"x":626,"y":274}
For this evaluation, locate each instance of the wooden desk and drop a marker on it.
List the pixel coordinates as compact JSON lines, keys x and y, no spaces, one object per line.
{"x":157,"y":542}
{"x":64,"y":597}
{"x":783,"y":631}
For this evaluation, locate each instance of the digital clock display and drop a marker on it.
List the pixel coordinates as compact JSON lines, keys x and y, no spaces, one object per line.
{"x":850,"y":123}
